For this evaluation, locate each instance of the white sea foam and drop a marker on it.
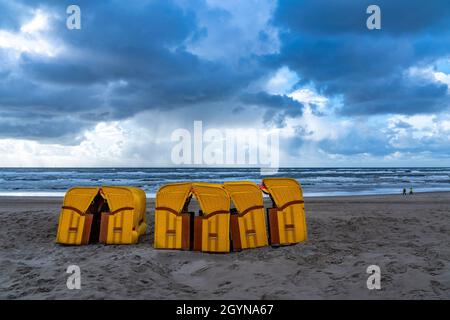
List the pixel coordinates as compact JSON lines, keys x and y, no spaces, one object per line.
{"x":315,"y":181}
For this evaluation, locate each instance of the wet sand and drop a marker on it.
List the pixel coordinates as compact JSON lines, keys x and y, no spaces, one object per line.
{"x":408,"y":237}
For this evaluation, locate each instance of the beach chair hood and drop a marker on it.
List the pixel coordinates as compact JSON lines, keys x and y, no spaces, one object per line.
{"x":212,"y":198}
{"x":245,"y":195}
{"x":173,"y":197}
{"x":283,"y":191}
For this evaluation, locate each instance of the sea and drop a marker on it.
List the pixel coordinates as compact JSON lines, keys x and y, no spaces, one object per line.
{"x":314,"y":181}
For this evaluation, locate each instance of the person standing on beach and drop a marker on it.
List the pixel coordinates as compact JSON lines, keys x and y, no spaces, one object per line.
{"x":404,"y":191}
{"x":410,"y":191}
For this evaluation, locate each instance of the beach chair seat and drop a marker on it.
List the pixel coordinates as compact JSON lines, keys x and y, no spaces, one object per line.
{"x":109,"y":215}
{"x":173,"y":222}
{"x":287,"y":221}
{"x":248,"y":220}
{"x":212,"y":226}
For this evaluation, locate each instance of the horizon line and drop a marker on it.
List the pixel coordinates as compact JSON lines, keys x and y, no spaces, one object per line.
{"x":214,"y":167}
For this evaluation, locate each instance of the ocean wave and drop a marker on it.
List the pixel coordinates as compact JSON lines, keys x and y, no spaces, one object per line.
{"x":315,"y":181}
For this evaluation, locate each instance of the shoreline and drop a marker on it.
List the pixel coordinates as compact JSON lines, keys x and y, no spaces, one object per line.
{"x":22,"y":195}
{"x":321,"y":197}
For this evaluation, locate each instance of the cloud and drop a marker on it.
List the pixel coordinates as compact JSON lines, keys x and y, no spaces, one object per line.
{"x":312,"y":69}
{"x":230,"y":30}
{"x":109,"y":73}
{"x":328,"y":44}
{"x":281,"y":81}
{"x":400,"y":18}
{"x":30,"y":37}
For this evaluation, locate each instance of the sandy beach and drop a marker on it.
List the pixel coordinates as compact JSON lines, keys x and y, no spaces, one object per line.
{"x":408,"y":237}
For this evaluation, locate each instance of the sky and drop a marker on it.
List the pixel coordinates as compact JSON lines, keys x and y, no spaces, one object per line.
{"x":113,"y":92}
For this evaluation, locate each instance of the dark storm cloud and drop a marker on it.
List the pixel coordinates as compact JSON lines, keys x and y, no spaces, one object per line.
{"x":272,"y":101}
{"x":395,"y":95}
{"x":133,"y":56}
{"x":125,"y":59}
{"x":324,"y":17}
{"x":62,"y":128}
{"x":329,"y":45}
{"x":356,"y":143}
{"x":278,"y":107}
{"x":12,"y":14}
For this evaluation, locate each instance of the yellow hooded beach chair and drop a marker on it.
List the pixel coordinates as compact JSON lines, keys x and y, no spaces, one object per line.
{"x":173,"y":222}
{"x":124,"y":216}
{"x":248,"y":219}
{"x":212,"y":226}
{"x":287,"y":221}
{"x":110,"y":215}
{"x":75,"y":219}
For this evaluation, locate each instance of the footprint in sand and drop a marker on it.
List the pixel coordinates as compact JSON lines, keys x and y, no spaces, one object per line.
{"x":233,"y":266}
{"x":200,"y":271}
{"x":224,"y":283}
{"x":438,"y":287}
{"x":396,"y":268}
{"x":23,"y":270}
